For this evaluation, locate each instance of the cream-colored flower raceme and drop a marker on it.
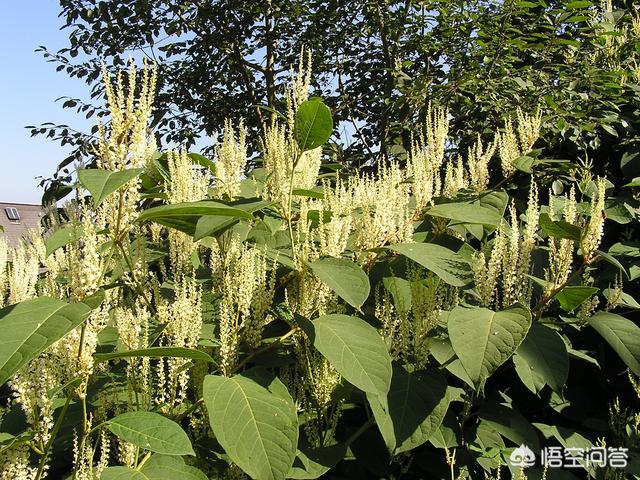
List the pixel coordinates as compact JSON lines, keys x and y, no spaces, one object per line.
{"x":247,"y":287}
{"x":285,"y":164}
{"x":15,"y":463}
{"x":182,"y":318}
{"x":280,"y":155}
{"x":528,"y":129}
{"x":4,"y":261}
{"x":187,"y":184}
{"x":595,"y":227}
{"x":426,"y":157}
{"x":510,"y":262}
{"x":383,"y":203}
{"x":516,"y":143}
{"x":84,"y":262}
{"x":231,"y":160}
{"x":30,"y":388}
{"x":561,"y":251}
{"x":508,"y":148}
{"x":478,"y":159}
{"x":127,"y":143}
{"x":23,"y":273}
{"x":455,"y":178}
{"x":297,"y":91}
{"x":487,"y":273}
{"x":528,"y":243}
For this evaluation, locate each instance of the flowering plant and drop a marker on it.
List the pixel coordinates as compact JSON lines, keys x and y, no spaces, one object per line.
{"x":277,"y":317}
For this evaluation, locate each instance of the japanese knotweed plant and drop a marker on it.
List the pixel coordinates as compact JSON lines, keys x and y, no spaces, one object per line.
{"x":283,"y":318}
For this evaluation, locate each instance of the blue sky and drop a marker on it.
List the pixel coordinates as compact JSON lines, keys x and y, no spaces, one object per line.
{"x":28,"y":89}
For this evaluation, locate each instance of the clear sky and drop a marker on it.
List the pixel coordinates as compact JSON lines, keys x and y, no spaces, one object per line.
{"x":28,"y":89}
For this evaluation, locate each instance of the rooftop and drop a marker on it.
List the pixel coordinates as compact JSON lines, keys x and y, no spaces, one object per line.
{"x":17,"y":219}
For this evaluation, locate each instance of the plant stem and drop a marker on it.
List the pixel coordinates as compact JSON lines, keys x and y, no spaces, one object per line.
{"x":363,"y":428}
{"x":144,"y":460}
{"x":290,"y":206}
{"x":54,"y":433}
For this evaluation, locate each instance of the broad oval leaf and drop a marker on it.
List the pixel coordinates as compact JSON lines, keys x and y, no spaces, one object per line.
{"x":572,"y":296}
{"x":254,"y":419}
{"x":313,"y":124}
{"x":417,"y":403}
{"x":122,"y":473}
{"x":483,"y":339}
{"x":510,"y":424}
{"x":467,"y":212}
{"x":61,"y":237}
{"x":559,"y":228}
{"x":622,"y":334}
{"x":102,"y":183}
{"x":151,"y":431}
{"x":314,"y":462}
{"x":344,"y":277}
{"x":29,"y":327}
{"x":184,"y":216}
{"x":446,"y":264}
{"x":163,"y":467}
{"x":157,"y":352}
{"x":355,"y":349}
{"x":542,"y":359}
{"x":208,"y":225}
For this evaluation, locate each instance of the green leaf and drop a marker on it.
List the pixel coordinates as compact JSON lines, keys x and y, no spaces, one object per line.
{"x":573,"y":296}
{"x":202,"y":161}
{"x":451,"y":267}
{"x":163,"y":467}
{"x":559,"y":228}
{"x":442,"y":351}
{"x":157,"y":352}
{"x":542,"y":359}
{"x":184,"y":216}
{"x":122,"y":473}
{"x":613,"y":261}
{"x":623,"y":335}
{"x":400,"y":290}
{"x":467,"y":212}
{"x":314,"y":462}
{"x":524,"y":164}
{"x":102,"y":183}
{"x":208,"y":225}
{"x":151,"y":431}
{"x":254,"y":419}
{"x":484,"y":339}
{"x":313,"y":124}
{"x":567,"y":437}
{"x":61,"y":237}
{"x":355,"y":349}
{"x":302,"y":192}
{"x":510,"y":424}
{"x":344,"y":277}
{"x":29,"y":327}
{"x":417,"y":403}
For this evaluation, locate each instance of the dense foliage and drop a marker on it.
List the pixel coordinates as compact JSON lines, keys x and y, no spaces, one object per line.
{"x":268,"y":312}
{"x":377,"y":65}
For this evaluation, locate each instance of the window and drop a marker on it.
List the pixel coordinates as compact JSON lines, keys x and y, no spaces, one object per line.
{"x":12,"y":214}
